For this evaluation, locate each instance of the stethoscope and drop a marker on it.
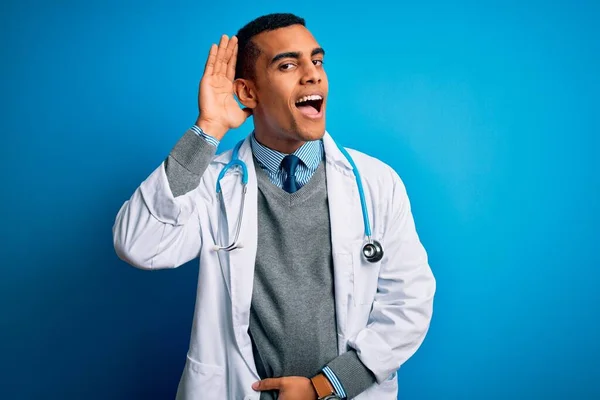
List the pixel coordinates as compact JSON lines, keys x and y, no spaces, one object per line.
{"x":372,"y":249}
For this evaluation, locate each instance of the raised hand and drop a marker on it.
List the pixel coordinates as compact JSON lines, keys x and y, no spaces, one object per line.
{"x":219,"y":111}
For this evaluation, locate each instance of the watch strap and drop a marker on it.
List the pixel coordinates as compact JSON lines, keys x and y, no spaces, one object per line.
{"x":322,"y":386}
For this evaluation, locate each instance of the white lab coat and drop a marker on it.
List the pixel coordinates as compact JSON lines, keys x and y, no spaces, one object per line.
{"x":383,"y":309}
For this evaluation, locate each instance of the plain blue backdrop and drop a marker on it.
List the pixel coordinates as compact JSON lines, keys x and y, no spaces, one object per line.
{"x":488,"y":111}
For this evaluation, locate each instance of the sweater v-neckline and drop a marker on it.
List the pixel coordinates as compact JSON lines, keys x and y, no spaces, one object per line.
{"x":301,"y":195}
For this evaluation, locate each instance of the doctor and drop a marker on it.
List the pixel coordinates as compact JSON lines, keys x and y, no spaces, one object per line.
{"x":313,"y":283}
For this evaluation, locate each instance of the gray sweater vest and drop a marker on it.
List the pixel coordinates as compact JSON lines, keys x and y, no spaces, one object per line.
{"x":292,"y":316}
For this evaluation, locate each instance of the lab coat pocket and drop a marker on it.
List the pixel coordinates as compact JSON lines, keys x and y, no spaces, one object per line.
{"x":201,"y":381}
{"x":366,"y":275}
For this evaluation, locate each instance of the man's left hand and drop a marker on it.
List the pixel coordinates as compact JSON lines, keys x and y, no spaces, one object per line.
{"x":289,"y":387}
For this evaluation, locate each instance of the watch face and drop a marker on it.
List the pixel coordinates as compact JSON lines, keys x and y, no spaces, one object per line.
{"x":332,"y":397}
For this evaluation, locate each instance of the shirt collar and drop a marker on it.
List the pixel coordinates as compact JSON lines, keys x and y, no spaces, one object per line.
{"x":310,"y":153}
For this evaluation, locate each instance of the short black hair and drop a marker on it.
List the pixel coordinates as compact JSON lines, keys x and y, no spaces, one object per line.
{"x":248,"y":51}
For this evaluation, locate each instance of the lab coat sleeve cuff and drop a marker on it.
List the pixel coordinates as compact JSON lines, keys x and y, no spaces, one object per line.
{"x":350,"y":373}
{"x":187,"y":161}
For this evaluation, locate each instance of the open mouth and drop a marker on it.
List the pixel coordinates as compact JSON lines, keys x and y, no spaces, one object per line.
{"x":310,"y":105}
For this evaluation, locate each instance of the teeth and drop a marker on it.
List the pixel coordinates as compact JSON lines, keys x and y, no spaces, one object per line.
{"x":309,"y":97}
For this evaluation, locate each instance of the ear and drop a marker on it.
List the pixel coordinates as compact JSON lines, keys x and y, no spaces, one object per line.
{"x":245,"y":92}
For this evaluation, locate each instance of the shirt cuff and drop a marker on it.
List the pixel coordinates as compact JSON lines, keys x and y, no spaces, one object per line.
{"x":354,"y":376}
{"x":208,"y":138}
{"x":335,"y":382}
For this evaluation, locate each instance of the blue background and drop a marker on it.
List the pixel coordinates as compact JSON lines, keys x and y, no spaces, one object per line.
{"x":489,"y":112}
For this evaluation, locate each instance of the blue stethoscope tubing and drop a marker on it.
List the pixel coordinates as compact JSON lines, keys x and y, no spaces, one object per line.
{"x":372,"y":249}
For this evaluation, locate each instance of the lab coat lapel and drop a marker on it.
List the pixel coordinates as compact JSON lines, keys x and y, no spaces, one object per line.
{"x":240,"y":265}
{"x":346,"y":228}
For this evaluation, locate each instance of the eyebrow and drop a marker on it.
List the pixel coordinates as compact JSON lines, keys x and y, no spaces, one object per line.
{"x":296,"y":54}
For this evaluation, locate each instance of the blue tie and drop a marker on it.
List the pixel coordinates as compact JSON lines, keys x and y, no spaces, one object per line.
{"x":289,"y":164}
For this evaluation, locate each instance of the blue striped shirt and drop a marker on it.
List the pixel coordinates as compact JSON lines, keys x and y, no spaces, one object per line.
{"x":311,"y":154}
{"x":208,"y":138}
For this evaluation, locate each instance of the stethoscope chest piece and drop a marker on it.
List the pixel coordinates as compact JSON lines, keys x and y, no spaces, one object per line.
{"x":372,"y":251}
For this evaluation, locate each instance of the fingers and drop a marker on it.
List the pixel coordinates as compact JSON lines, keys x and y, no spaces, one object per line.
{"x":222,"y":58}
{"x":268,"y":384}
{"x":221,"y":63}
{"x":210,"y":61}
{"x":232,"y":49}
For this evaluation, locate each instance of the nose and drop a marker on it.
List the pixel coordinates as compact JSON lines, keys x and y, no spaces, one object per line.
{"x":311,"y":75}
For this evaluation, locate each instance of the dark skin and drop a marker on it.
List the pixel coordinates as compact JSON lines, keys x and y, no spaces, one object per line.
{"x":290,"y":66}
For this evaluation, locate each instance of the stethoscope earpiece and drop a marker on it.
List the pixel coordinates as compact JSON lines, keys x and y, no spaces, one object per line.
{"x":373,"y":251}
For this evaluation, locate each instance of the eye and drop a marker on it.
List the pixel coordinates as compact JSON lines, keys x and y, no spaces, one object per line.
{"x":318,"y":62}
{"x":286,"y":66}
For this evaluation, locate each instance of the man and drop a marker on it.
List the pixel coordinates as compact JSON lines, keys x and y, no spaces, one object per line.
{"x":292,"y":310}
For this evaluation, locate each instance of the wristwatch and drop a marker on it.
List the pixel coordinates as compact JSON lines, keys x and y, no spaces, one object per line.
{"x":323,"y":387}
